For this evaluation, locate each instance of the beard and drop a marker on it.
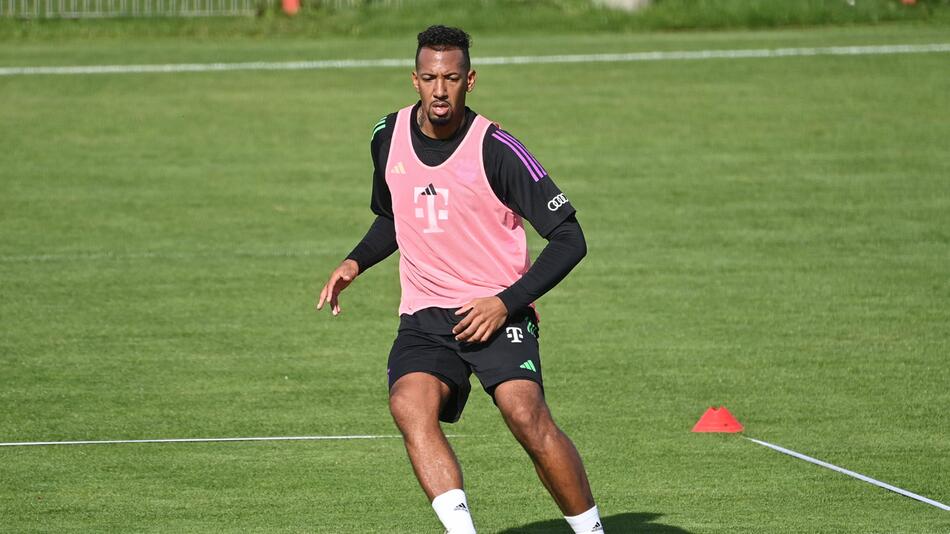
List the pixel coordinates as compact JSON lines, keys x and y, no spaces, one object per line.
{"x":439,"y":120}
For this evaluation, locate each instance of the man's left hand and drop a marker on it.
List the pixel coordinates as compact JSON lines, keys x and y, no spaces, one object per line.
{"x":482,"y":318}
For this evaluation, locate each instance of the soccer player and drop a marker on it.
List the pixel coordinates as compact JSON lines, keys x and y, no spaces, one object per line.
{"x":450,"y":192}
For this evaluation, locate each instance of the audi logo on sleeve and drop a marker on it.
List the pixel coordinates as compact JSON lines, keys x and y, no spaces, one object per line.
{"x":557,"y":202}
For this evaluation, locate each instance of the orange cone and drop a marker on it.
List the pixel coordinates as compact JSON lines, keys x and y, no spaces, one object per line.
{"x":717,"y":420}
{"x":291,"y":7}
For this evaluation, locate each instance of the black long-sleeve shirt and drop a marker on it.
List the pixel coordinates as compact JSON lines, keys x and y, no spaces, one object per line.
{"x":525,"y":189}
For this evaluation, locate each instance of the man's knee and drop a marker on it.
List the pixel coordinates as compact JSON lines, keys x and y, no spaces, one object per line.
{"x":526,"y":420}
{"x":522,"y":405}
{"x":401,"y":407}
{"x":416,"y":398}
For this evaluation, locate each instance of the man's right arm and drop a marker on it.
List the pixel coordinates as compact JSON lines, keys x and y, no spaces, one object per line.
{"x":380,"y":241}
{"x":377,"y":245}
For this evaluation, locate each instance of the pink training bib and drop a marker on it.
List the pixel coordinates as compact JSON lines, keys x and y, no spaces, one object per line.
{"x":457,"y":241}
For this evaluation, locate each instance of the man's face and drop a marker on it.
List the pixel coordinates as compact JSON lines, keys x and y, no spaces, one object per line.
{"x":441,"y":80}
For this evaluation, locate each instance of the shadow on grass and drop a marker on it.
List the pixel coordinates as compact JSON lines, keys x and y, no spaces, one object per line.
{"x":614,"y":524}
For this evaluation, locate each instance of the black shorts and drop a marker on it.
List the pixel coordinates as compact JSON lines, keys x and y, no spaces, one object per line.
{"x":511,"y":353}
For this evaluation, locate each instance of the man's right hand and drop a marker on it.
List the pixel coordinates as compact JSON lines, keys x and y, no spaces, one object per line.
{"x":340,"y":278}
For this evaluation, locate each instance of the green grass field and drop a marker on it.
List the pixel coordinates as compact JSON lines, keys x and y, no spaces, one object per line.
{"x":768,"y":234}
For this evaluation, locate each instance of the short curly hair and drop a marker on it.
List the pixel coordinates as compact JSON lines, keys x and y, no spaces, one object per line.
{"x":440,"y":38}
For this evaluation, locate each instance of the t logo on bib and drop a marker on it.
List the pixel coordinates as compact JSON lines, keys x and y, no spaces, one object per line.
{"x":430,"y":212}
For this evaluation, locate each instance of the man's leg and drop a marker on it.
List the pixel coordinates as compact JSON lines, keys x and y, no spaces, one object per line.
{"x":555,"y":458}
{"x":415,"y":401}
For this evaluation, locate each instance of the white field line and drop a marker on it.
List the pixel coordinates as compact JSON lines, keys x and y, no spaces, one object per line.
{"x":110,"y":255}
{"x":201,"y":440}
{"x":858,"y":476}
{"x":499,"y":60}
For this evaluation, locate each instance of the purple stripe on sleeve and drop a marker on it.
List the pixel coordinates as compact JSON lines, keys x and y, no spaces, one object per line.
{"x":523,"y":152}
{"x":527,"y":165}
{"x":537,"y":165}
{"x":531,"y":157}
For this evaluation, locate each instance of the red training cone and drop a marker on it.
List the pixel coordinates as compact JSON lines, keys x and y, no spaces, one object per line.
{"x":291,"y":7}
{"x":717,"y":420}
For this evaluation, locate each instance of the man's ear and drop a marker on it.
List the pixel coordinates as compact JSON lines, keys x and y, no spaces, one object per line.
{"x":470,"y":81}
{"x":415,"y":81}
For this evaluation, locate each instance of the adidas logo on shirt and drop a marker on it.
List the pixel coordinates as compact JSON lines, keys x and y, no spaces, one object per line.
{"x":398,"y":169}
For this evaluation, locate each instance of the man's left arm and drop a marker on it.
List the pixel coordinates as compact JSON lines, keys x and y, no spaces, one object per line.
{"x":522,"y":184}
{"x":566,"y":248}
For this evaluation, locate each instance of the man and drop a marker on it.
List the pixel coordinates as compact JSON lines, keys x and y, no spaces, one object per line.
{"x":450,"y":191}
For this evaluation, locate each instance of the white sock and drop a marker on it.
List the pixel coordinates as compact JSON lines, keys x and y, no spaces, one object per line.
{"x":587,"y":522}
{"x":452,"y":509}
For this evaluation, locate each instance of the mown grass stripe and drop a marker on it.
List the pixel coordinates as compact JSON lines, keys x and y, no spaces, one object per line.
{"x":500,"y":60}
